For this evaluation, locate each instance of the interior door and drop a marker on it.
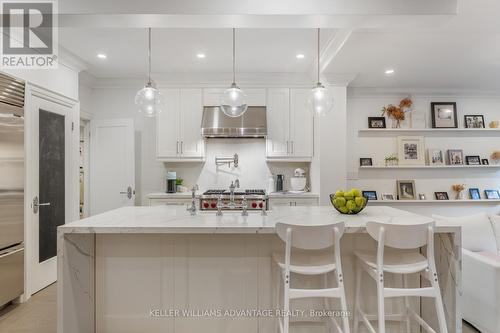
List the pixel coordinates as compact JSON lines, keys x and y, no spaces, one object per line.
{"x":167,"y":126}
{"x":278,"y":110}
{"x":301,"y":124}
{"x":52,"y":156}
{"x":112,"y":164}
{"x":191,"y":110}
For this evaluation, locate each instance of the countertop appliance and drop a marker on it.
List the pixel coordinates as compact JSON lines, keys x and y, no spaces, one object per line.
{"x":298,"y":182}
{"x":216,"y":124}
{"x":171,"y":182}
{"x":256,"y":199}
{"x":280,"y":183}
{"x":11,"y":189}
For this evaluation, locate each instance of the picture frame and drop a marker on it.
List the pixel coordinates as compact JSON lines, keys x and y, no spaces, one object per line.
{"x":444,"y":115}
{"x":456,"y":156}
{"x":411,"y":150}
{"x":406,"y":190}
{"x":388,"y":197}
{"x":370,"y":195}
{"x":441,"y":195}
{"x":436,"y":157}
{"x":474,"y":194}
{"x":473,"y":160}
{"x":474,"y":121}
{"x":485,"y":161}
{"x":376,"y":122}
{"x":365,"y":161}
{"x":492,"y":194}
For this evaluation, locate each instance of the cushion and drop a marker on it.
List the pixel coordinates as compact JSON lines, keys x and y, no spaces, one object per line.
{"x":477,"y":231}
{"x":495,"y":222}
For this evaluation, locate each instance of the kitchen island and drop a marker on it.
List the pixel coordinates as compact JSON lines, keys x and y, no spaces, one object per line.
{"x":159,"y":269}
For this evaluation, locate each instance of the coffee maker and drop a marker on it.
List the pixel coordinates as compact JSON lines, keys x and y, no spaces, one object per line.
{"x":171,"y":182}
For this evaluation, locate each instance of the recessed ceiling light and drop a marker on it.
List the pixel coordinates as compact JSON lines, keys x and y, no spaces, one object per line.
{"x":389,"y":71}
{"x":201,"y":55}
{"x":101,"y":56}
{"x":300,"y":56}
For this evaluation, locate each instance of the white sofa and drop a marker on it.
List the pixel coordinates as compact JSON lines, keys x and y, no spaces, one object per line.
{"x":480,"y":301}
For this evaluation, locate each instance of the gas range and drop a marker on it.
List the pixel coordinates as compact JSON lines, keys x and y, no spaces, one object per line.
{"x":256,"y":199}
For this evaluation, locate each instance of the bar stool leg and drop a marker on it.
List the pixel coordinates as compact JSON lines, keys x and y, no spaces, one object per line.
{"x":407,"y":304}
{"x":439,"y":304}
{"x":343,"y":303}
{"x":357,"y":296}
{"x":380,"y":301}
{"x":286,"y":303}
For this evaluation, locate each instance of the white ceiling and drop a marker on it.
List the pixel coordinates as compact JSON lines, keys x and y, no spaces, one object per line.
{"x":457,"y":52}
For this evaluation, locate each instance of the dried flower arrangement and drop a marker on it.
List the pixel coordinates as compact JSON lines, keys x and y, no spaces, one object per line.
{"x":495,"y":155}
{"x":398,"y":112}
{"x":458,"y":188}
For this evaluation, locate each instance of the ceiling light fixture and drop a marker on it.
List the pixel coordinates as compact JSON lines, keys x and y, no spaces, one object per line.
{"x":149,"y":99}
{"x":101,"y":56}
{"x":201,"y":55}
{"x":300,"y":56}
{"x":233,"y":100}
{"x":389,"y":71}
{"x":320,"y":99}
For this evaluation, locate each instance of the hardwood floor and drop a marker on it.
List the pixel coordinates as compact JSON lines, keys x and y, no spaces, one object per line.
{"x":38,"y":315}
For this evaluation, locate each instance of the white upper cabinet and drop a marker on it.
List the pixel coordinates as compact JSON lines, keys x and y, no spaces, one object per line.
{"x":178,"y":130}
{"x":290,"y":125}
{"x":255,"y":96}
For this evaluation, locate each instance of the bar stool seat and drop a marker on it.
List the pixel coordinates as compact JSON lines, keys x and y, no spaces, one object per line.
{"x":304,"y":264}
{"x":395,"y":262}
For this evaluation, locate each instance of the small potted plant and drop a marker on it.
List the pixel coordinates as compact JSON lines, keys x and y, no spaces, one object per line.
{"x":495,"y":157}
{"x":178,"y":183}
{"x":459,"y":190}
{"x":391,"y":160}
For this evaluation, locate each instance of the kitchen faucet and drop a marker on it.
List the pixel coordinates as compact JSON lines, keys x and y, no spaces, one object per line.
{"x":192,"y":209}
{"x":234,"y":185}
{"x":232,"y":205}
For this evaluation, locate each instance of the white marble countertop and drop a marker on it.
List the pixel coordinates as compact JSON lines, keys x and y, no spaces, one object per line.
{"x":168,"y":219}
{"x":184,"y":195}
{"x":293,"y":195}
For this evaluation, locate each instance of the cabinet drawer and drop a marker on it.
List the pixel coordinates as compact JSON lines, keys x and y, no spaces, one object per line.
{"x":293,"y":202}
{"x":11,"y":274}
{"x":169,"y":202}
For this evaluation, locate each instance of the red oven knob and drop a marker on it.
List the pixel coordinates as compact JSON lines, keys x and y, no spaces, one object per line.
{"x":213,"y":205}
{"x":254,"y":205}
{"x":205,"y":204}
{"x":260,"y":205}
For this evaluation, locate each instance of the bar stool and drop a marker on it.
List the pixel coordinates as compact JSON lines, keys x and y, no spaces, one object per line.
{"x":399,"y":237}
{"x":310,"y":238}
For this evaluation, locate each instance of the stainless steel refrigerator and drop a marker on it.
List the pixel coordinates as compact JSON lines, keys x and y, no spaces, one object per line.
{"x":11,"y":188}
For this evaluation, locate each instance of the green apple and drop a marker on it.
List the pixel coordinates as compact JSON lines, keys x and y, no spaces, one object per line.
{"x":350,"y":205}
{"x":356,"y":192}
{"x":360,"y":201}
{"x":343,"y":210}
{"x":340,"y":202}
{"x":339,"y":194}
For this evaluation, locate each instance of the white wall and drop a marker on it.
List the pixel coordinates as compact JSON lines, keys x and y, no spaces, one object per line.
{"x":361,"y":105}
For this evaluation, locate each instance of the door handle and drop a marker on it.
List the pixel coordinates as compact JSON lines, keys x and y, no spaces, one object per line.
{"x":128,"y":192}
{"x":177,"y":147}
{"x":182,"y":147}
{"x":287,"y":149}
{"x":37,"y":204}
{"x":293,"y":148}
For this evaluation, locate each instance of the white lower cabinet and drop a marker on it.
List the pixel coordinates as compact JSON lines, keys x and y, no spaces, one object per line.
{"x":178,"y":134}
{"x":276,"y":202}
{"x":170,"y":202}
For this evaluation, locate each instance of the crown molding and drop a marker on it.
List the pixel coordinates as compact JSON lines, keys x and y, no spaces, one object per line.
{"x":380,"y":92}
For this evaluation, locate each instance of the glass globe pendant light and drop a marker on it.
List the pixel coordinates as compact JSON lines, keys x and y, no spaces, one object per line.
{"x":320,"y":100}
{"x":149,"y":99}
{"x":233,"y":101}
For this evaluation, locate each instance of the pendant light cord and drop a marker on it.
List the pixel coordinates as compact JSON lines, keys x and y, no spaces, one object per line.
{"x":318,"y":52}
{"x":149,"y":57}
{"x":234,"y":56}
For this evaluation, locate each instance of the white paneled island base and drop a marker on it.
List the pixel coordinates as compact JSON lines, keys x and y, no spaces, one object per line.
{"x":158,"y":269}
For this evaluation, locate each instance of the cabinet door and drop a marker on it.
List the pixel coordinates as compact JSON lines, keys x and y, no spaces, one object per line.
{"x":191,"y":109}
{"x":255,"y":96}
{"x":301,"y":124}
{"x":278,"y":130}
{"x":167,"y":126}
{"x":211,"y":96}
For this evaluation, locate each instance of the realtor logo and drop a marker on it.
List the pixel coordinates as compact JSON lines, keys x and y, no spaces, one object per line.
{"x":29,"y":36}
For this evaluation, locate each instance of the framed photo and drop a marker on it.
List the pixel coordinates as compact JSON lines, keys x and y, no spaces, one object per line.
{"x":474,"y":121}
{"x":474,"y":194}
{"x":370,"y":195}
{"x":485,"y":161}
{"x":376,"y":122}
{"x":411,"y":150}
{"x":492,"y":194}
{"x":406,"y":189}
{"x":473,"y":160}
{"x":388,"y":197}
{"x":456,"y":156}
{"x":436,"y":157}
{"x":365,"y":161}
{"x":441,"y":195}
{"x":444,"y":115}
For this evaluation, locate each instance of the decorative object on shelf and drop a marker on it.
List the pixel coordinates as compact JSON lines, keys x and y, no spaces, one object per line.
{"x":456,"y":156}
{"x":494,"y":124}
{"x":320,"y":99}
{"x":365,"y":161}
{"x":411,"y":150}
{"x":388,"y":197}
{"x":495,"y":157}
{"x":370,"y":195}
{"x":180,"y":188}
{"x":376,"y":122}
{"x":391,"y":160}
{"x":398,"y":113}
{"x":233,"y":101}
{"x":350,"y":202}
{"x":406,"y":189}
{"x":473,"y":160}
{"x":485,"y":161}
{"x":421,"y":196}
{"x":474,"y":121}
{"x":441,"y":195}
{"x":149,"y":99}
{"x":459,"y":191}
{"x":436,"y":157}
{"x":444,"y":115}
{"x":492,"y":194}
{"x":474,"y":194}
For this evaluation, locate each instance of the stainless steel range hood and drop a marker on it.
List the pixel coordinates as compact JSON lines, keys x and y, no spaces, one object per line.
{"x":252,"y":124}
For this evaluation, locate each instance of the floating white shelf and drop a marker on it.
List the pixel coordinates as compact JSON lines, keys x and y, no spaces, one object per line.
{"x":402,"y":202}
{"x":430,"y":131}
{"x":375,"y":167}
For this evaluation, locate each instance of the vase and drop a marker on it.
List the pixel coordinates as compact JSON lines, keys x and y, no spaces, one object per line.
{"x":460,"y":195}
{"x":396,"y":123}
